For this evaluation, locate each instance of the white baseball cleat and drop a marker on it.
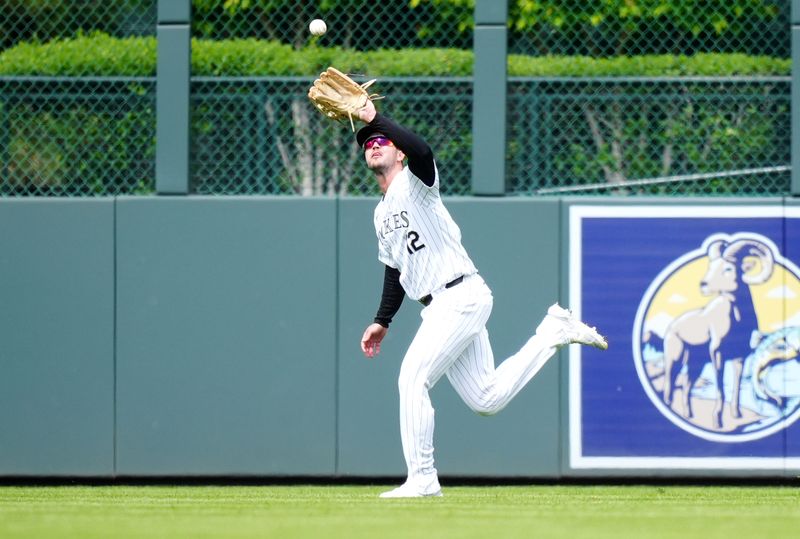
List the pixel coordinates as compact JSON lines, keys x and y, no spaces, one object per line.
{"x":407,"y":490}
{"x":571,"y":330}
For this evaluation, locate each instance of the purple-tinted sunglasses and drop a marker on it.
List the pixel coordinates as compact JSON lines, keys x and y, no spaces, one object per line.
{"x":380,"y":141}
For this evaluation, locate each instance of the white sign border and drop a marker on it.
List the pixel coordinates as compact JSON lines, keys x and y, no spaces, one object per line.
{"x":579,"y":212}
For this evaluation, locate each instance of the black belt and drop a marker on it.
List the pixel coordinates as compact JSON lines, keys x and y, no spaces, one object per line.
{"x":427,"y":299}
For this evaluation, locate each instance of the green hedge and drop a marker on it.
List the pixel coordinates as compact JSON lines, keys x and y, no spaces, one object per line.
{"x":102,"y":55}
{"x":97,"y":54}
{"x":705,"y":64}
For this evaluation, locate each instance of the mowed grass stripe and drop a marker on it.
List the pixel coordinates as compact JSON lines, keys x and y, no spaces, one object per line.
{"x":355,"y":511}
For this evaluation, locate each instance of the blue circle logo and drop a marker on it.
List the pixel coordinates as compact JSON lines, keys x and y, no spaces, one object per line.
{"x":716,"y":339}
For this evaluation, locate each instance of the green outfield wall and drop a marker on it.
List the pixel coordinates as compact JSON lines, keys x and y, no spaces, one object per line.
{"x":219,"y":336}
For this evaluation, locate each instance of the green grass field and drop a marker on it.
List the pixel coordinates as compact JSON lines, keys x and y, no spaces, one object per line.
{"x":355,"y":511}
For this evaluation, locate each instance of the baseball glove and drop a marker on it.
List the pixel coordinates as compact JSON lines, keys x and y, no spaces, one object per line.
{"x":338,"y":96}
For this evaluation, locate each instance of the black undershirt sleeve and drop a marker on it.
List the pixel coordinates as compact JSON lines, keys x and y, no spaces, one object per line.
{"x":392,"y":297}
{"x":419,"y":153}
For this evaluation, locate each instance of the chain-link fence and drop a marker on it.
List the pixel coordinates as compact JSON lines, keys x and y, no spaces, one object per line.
{"x":356,"y":24}
{"x":76,"y":135}
{"x":649,"y":136}
{"x":636,"y":27}
{"x":727,"y":135}
{"x":44,"y":20}
{"x":261,"y":136}
{"x":588,"y":130}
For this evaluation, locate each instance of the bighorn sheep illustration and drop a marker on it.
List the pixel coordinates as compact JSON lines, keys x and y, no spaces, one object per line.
{"x":724,"y":325}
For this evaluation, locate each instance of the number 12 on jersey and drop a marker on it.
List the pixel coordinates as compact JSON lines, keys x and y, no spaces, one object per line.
{"x":413,"y":243}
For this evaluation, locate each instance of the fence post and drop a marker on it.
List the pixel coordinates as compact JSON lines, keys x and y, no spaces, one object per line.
{"x":172,"y":96}
{"x":489,"y":98}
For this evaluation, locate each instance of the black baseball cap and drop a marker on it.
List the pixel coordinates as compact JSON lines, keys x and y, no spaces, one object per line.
{"x":367,"y":132}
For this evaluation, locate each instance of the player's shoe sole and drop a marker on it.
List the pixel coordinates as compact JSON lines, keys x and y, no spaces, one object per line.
{"x":576,"y":331}
{"x":407,"y":491}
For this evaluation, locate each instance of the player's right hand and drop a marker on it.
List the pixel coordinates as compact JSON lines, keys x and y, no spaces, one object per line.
{"x":371,"y":340}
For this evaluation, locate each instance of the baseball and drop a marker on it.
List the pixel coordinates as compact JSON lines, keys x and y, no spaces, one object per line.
{"x":317,"y":27}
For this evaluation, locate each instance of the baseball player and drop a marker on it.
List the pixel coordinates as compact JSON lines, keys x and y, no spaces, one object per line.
{"x":420,"y":245}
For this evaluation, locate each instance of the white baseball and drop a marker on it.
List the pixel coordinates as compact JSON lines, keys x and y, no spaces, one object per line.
{"x":317,"y":27}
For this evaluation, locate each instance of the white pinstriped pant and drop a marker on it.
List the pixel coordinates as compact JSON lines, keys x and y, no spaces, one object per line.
{"x":453,"y":340}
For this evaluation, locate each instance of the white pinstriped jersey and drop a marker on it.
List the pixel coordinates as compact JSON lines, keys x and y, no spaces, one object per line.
{"x":418,"y":237}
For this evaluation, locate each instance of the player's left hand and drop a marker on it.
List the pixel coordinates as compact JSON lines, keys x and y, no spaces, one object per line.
{"x":371,"y":340}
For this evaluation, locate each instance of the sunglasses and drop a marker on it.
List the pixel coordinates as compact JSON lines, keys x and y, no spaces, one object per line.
{"x":380,"y":141}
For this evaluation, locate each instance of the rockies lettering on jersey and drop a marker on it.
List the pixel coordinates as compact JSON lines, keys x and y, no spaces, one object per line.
{"x":417,"y":236}
{"x":394,"y":222}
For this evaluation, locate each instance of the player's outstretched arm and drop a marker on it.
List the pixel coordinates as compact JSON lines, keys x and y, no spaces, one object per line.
{"x":371,"y":340}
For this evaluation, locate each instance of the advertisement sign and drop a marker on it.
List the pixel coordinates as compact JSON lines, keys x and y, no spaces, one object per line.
{"x":701,"y":308}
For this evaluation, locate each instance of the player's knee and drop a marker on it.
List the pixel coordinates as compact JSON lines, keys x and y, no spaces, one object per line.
{"x":485,"y":406}
{"x":487,"y":411}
